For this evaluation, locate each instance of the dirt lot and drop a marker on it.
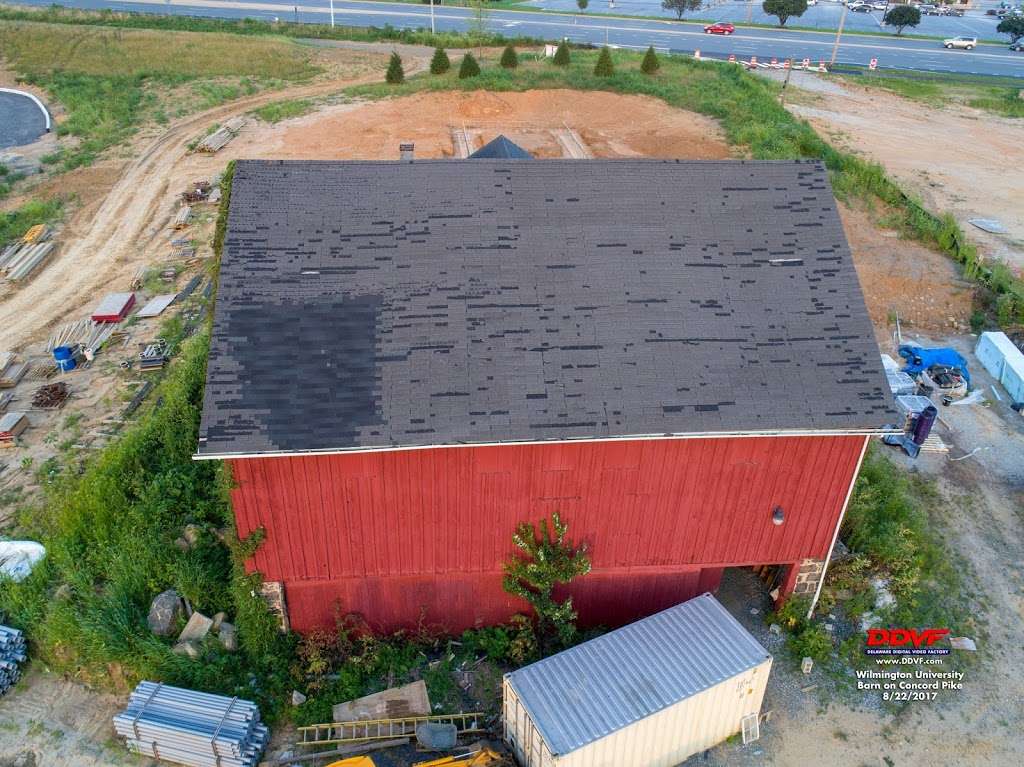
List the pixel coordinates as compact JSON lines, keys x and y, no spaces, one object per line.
{"x":112,"y":235}
{"x":955,"y":159}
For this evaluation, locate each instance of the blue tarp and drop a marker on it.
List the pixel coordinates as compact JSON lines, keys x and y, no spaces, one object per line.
{"x":918,"y":358}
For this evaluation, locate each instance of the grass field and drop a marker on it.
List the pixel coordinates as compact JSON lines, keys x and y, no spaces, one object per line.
{"x":109,"y":80}
{"x":283,"y":110}
{"x":998,"y":95}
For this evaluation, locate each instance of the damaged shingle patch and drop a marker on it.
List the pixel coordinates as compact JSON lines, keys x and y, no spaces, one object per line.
{"x":374,"y":305}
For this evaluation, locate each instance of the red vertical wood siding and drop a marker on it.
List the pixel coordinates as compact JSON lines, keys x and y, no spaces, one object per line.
{"x":404,"y":535}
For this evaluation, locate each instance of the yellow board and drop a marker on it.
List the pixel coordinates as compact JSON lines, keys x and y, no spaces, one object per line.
{"x":354,"y":761}
{"x":485,"y":757}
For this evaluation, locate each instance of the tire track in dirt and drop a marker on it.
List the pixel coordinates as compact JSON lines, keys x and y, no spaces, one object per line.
{"x":97,"y":260}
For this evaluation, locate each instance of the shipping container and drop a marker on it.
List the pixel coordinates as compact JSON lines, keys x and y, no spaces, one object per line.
{"x":650,"y":694}
{"x":1004,"y":361}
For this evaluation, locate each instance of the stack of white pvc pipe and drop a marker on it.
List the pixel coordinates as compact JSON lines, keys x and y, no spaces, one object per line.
{"x":192,"y":728}
{"x":12,"y":655}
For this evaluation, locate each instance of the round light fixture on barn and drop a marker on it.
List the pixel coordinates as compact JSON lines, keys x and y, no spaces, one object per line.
{"x":778,"y":516}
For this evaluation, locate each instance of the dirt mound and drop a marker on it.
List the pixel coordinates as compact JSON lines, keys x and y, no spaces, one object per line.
{"x":374,"y":130}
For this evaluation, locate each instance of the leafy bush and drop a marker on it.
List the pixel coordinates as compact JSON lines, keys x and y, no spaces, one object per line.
{"x":783,"y":10}
{"x":14,"y":223}
{"x":888,"y":522}
{"x":395,"y":74}
{"x":604,"y":66}
{"x":650,"y":64}
{"x":902,"y":16}
{"x":561,"y":58}
{"x":440,"y":63}
{"x":548,"y":559}
{"x":509,"y":59}
{"x":469,"y":67}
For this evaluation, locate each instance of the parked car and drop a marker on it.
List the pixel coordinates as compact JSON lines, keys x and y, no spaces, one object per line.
{"x":946,"y":10}
{"x":879,"y":6}
{"x":719,"y":28}
{"x":928,"y":10}
{"x":1018,"y":46}
{"x":860,"y":7}
{"x":962,"y":42}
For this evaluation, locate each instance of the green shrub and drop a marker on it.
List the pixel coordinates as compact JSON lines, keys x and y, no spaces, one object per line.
{"x":283,"y":110}
{"x":440,"y":63}
{"x":604,"y":66}
{"x":395,"y":74}
{"x":509,"y":58}
{"x":548,"y":559}
{"x":561,"y":58}
{"x":650,"y":64}
{"x":469,"y":67}
{"x":14,"y":223}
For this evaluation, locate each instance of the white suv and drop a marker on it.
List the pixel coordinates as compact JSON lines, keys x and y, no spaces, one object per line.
{"x":961,"y":42}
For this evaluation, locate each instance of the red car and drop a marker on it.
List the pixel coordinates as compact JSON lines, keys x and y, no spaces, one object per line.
{"x":720,"y":28}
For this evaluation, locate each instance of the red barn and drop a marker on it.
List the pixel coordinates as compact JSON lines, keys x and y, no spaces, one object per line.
{"x":410,"y":358}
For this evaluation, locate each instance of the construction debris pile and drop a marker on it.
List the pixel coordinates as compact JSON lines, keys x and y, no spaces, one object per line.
{"x":21,"y":258}
{"x":153,"y":356}
{"x":192,"y":728}
{"x":198,"y":192}
{"x":51,"y":396}
{"x":89,"y":335}
{"x":220,"y":137}
{"x":11,"y":426}
{"x":12,"y":655}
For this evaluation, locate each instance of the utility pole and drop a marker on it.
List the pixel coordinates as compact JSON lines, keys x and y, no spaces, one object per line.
{"x":750,"y":11}
{"x":432,"y":30}
{"x":839,"y":34}
{"x":332,"y":14}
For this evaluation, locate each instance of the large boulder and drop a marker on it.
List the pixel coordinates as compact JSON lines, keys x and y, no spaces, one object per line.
{"x":228,"y":636}
{"x":196,"y":629}
{"x":164,"y":612}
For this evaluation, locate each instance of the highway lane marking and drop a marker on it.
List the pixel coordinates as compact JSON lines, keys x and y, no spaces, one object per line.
{"x":1007,"y":58}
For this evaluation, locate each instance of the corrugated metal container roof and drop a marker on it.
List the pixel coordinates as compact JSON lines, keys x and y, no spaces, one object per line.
{"x":589,"y":691}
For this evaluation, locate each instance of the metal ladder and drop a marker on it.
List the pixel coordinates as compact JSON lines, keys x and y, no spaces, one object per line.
{"x":383,"y":729}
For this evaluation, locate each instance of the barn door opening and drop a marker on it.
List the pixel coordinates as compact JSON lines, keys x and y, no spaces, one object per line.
{"x":749,"y":593}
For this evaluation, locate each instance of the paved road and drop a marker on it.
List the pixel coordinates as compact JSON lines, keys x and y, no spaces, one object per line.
{"x":23,"y":122}
{"x":926,"y":55}
{"x":825,"y":15}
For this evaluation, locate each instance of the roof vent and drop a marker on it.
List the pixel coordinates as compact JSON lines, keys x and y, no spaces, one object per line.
{"x":405,"y":151}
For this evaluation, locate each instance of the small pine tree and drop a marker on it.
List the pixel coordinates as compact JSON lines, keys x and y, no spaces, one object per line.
{"x":395,"y":75}
{"x":650,"y":64}
{"x":561,"y":58}
{"x":509,"y":59}
{"x":604,"y":66}
{"x":440,"y":63}
{"x":469,"y":67}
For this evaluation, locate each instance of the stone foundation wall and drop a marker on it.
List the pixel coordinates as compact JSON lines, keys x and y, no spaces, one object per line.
{"x":808,"y":575}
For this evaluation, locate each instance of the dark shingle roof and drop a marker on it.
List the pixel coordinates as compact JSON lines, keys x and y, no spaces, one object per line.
{"x":377,"y":304}
{"x":501,"y":148}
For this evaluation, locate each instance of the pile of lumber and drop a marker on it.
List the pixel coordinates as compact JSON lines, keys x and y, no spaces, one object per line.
{"x":12,"y":655}
{"x":19,"y":261}
{"x":220,"y":137}
{"x":192,"y":728}
{"x":11,"y":371}
{"x":51,"y":396}
{"x":184,"y":215}
{"x":89,"y":334}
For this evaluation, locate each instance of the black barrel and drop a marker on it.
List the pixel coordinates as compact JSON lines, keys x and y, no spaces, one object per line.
{"x":923,"y":424}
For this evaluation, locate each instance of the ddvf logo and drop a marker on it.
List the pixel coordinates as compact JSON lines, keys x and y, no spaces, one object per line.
{"x":905,"y":637}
